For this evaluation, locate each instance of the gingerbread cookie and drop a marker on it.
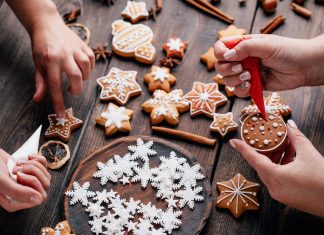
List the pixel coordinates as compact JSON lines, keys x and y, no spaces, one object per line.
{"x":265,"y":136}
{"x":62,"y":127}
{"x":223,"y":123}
{"x":56,"y":154}
{"x":159,"y":78}
{"x":272,"y":104}
{"x":228,"y":89}
{"x":135,"y":11}
{"x":231,"y":30}
{"x":238,"y":195}
{"x":119,"y":85}
{"x":133,"y":41}
{"x":62,"y":228}
{"x":204,"y":99}
{"x":115,"y":119}
{"x":209,"y":59}
{"x":166,"y":106}
{"x":175,"y":47}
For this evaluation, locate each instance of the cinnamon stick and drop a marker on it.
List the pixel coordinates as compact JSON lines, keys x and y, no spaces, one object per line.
{"x":220,"y":15}
{"x":273,"y":24}
{"x":185,"y":135}
{"x":215,"y":9}
{"x":300,"y":10}
{"x":159,"y":5}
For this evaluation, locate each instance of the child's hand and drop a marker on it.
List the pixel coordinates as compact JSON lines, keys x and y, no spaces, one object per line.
{"x":32,"y":181}
{"x":287,"y":63}
{"x":300,"y":183}
{"x":58,"y":50}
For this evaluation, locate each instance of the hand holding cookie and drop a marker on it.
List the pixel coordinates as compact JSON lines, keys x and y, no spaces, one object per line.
{"x":286,"y":62}
{"x":299,"y":181}
{"x":32,"y":181}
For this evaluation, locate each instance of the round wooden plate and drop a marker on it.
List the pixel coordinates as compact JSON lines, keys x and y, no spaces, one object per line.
{"x":193,"y":221}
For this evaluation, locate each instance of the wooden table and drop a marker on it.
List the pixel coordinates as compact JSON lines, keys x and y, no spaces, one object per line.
{"x":20,"y":116}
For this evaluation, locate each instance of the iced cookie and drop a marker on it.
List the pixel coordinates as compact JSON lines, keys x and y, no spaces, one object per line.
{"x":265,"y":136}
{"x":115,"y":119}
{"x":56,"y":153}
{"x":62,"y":228}
{"x":119,"y":85}
{"x":133,"y":41}
{"x":223,"y":123}
{"x":209,"y":59}
{"x":166,"y":106}
{"x":272,"y":104}
{"x":231,"y":30}
{"x":62,"y":127}
{"x":159,"y":78}
{"x":175,"y":47}
{"x":238,"y":195}
{"x":135,"y":11}
{"x":204,"y":98}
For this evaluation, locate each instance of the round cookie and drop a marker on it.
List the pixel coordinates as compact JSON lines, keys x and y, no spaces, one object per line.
{"x":266,"y":136}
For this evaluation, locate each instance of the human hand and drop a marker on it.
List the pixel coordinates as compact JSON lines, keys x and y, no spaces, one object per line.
{"x":32,"y":181}
{"x":287,"y":63}
{"x":57,"y":50}
{"x":299,"y":183}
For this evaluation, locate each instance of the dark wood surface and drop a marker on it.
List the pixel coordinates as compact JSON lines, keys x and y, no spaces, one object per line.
{"x":20,"y":116}
{"x":193,"y":221}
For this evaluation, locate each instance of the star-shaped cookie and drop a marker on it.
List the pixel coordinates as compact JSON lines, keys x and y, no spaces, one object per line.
{"x":62,"y":127}
{"x":62,"y":228}
{"x":119,"y":85}
{"x":272,"y":103}
{"x":166,"y":106}
{"x":115,"y":119}
{"x":159,"y":78}
{"x":231,"y":30}
{"x":204,"y":99}
{"x":209,"y":59}
{"x":228,"y":89}
{"x":223,"y":123}
{"x":238,"y":195}
{"x":175,"y":47}
{"x":135,"y":11}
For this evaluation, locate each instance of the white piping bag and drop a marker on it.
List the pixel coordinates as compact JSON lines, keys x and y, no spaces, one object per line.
{"x":29,"y":147}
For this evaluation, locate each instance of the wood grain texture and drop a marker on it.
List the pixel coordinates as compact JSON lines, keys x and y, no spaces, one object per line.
{"x":192,"y":220}
{"x":20,"y":115}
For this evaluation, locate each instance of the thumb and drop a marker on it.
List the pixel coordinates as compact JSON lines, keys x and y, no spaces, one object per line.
{"x":257,"y":46}
{"x":40,"y":86}
{"x":296,"y":138}
{"x":259,"y":162}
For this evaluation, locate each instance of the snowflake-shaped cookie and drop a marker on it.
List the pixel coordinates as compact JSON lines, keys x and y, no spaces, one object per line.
{"x":173,"y":163}
{"x":115,"y":119}
{"x":166,"y":106}
{"x":104,"y":196}
{"x":143,"y":175}
{"x":188,"y":196}
{"x":142,"y":150}
{"x":106,"y":172}
{"x":190,"y":175}
{"x":94,"y":209}
{"x":150,"y":212}
{"x":204,"y":99}
{"x":119,"y":86}
{"x":144,"y":227}
{"x":135,"y":11}
{"x":80,"y":193}
{"x":223,"y":123}
{"x":169,"y":220}
{"x":124,"y":165}
{"x":62,"y":127}
{"x":272,"y":103}
{"x":97,"y":224}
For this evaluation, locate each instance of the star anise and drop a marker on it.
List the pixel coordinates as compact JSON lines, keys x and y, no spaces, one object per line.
{"x":101,"y":52}
{"x":169,"y":62}
{"x":108,"y":2}
{"x":72,"y":16}
{"x":152,"y":14}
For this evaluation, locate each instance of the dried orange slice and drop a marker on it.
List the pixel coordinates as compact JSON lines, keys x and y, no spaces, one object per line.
{"x":56,"y":153}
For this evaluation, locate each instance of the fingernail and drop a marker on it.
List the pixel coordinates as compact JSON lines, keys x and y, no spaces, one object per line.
{"x":245,"y":85}
{"x":230,"y":54}
{"x":237,"y":68}
{"x":245,"y":76}
{"x":17,"y":168}
{"x":21,"y":174}
{"x":36,"y":199}
{"x":232,"y":144}
{"x":20,"y":162}
{"x":292,"y":124}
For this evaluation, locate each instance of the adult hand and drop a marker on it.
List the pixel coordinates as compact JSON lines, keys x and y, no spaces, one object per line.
{"x":287,"y":63}
{"x":299,"y":183}
{"x":32,"y":181}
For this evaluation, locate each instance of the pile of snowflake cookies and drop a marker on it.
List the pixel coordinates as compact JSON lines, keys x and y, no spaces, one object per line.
{"x":175,"y":181}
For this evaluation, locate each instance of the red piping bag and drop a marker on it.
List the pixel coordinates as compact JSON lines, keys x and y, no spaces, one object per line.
{"x":253,"y":65}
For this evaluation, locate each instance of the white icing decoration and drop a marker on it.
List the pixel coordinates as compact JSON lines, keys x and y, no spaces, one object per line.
{"x":134,"y":10}
{"x":61,"y":121}
{"x":80,"y":193}
{"x":252,"y":142}
{"x":175,"y":44}
{"x":261,"y":128}
{"x":188,"y":196}
{"x":266,"y":141}
{"x":160,"y":74}
{"x":115,"y":116}
{"x":254,"y":119}
{"x":275,"y":125}
{"x":279,"y":133}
